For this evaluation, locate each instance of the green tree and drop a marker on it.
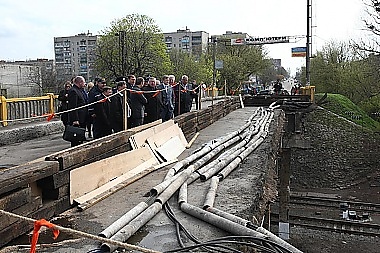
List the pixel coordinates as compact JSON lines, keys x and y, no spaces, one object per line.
{"x":239,"y":63}
{"x":197,"y":67}
{"x":140,"y":39}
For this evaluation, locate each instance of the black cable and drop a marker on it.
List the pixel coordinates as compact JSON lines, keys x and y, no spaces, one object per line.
{"x":252,"y":238}
{"x":216,"y":243}
{"x":172,"y":217}
{"x":98,"y":250}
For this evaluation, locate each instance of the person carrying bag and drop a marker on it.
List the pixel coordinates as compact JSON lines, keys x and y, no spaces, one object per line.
{"x":77,"y":99}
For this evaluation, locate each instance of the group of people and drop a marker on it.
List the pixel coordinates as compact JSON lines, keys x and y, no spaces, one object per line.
{"x":100,"y":108}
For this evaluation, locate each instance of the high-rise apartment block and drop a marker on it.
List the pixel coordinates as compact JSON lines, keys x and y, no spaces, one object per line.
{"x":74,"y":55}
{"x":186,"y":40}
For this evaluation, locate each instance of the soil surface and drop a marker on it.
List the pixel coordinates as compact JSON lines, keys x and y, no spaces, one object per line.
{"x":344,"y":160}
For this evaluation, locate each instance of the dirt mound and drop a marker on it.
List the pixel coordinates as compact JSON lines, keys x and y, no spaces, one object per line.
{"x":344,"y":158}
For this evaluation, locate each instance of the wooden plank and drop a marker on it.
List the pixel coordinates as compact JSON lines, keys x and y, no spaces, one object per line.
{"x":89,"y":177}
{"x":106,"y":187}
{"x":16,"y":199}
{"x":171,"y":149}
{"x":146,"y":126}
{"x":21,"y":226}
{"x":164,"y":136}
{"x":163,"y":126}
{"x":92,"y":151}
{"x":22,"y":175}
{"x":138,"y":140}
{"x":116,"y":186}
{"x":24,"y":210}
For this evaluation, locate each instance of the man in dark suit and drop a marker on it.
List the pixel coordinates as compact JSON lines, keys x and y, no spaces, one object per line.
{"x":103,"y":113}
{"x":167,"y":98}
{"x":138,"y":100}
{"x":117,"y":105}
{"x":77,"y":98}
{"x":153,"y":108}
{"x":94,"y":92}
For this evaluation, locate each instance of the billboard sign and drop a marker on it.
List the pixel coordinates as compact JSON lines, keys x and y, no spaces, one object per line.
{"x":299,"y":52}
{"x":260,"y":41}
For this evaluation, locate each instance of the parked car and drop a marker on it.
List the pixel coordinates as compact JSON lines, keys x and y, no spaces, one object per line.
{"x":265,"y":92}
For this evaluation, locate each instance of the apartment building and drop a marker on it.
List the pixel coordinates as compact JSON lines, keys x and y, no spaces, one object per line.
{"x":186,"y":40}
{"x":74,"y":55}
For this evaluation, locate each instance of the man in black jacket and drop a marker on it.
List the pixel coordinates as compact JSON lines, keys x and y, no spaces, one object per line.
{"x":138,"y":100}
{"x":117,"y":112}
{"x":153,"y":107}
{"x":103,"y":121}
{"x":77,"y":98}
{"x":94,"y":92}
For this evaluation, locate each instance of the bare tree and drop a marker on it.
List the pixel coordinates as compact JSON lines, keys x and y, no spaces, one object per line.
{"x":370,"y":45}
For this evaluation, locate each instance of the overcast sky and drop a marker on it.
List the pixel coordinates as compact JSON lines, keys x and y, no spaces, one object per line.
{"x":27,"y":28}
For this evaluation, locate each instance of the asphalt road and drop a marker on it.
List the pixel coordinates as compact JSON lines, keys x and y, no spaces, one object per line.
{"x":26,"y":151}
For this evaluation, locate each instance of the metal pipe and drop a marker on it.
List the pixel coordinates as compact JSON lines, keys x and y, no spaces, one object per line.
{"x":123,"y":220}
{"x":219,"y":222}
{"x":127,"y":231}
{"x":211,"y":193}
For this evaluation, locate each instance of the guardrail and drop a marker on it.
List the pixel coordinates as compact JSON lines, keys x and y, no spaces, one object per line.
{"x":26,"y":109}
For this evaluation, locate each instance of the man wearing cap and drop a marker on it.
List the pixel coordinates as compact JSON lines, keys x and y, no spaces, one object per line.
{"x":95,"y":91}
{"x":117,"y":112}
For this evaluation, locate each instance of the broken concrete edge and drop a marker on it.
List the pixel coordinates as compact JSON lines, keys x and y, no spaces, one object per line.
{"x":24,"y":132}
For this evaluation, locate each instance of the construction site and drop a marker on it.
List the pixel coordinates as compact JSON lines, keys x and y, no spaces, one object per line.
{"x":221,"y":179}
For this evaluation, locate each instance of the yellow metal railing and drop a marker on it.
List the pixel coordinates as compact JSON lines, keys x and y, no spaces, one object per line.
{"x":308,"y":90}
{"x":24,"y":109}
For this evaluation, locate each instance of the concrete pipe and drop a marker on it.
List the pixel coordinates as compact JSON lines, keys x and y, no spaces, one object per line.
{"x":174,"y":186}
{"x":123,"y":220}
{"x":182,"y":195}
{"x":228,"y":216}
{"x":278,"y":240}
{"x":127,"y":231}
{"x":219,"y":165}
{"x":219,"y":222}
{"x":211,"y":193}
{"x":229,"y":168}
{"x":156,"y":190}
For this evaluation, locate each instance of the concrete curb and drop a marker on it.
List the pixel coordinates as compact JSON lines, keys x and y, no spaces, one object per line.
{"x":28,"y":132}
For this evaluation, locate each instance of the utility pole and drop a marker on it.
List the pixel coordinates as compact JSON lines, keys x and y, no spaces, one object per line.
{"x":215,"y":43}
{"x":122,"y":39}
{"x":121,"y":36}
{"x":308,"y":41}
